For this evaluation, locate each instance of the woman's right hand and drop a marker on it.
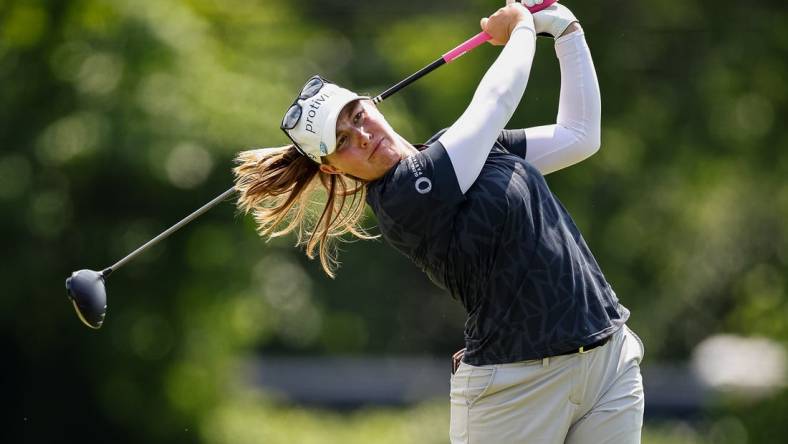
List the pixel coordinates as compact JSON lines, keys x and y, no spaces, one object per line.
{"x":501,"y":24}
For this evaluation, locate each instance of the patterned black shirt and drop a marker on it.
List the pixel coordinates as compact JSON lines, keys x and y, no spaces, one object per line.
{"x":507,"y":249}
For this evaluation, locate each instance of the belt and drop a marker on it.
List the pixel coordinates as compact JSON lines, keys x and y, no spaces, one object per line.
{"x":585,"y":348}
{"x":457,"y":357}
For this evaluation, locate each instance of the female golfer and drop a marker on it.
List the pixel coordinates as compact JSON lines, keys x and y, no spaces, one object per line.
{"x":548,"y":358}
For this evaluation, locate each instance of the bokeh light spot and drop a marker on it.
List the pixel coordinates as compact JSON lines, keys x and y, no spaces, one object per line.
{"x":100,"y":73}
{"x":188,"y":165}
{"x":752,"y":367}
{"x":72,"y":136}
{"x":49,"y":212}
{"x":287,"y":289}
{"x":754,"y":115}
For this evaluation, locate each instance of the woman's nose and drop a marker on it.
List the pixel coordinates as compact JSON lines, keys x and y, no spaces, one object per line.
{"x":362,"y":137}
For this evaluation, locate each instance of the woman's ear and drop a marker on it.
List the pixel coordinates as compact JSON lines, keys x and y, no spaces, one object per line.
{"x":329,"y":169}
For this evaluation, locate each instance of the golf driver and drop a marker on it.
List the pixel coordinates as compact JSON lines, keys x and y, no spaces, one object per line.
{"x":86,"y":288}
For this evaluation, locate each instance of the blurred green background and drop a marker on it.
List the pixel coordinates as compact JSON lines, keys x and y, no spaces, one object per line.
{"x":119,"y":117}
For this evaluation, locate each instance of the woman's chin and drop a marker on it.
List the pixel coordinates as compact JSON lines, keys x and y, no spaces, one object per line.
{"x":389,"y":156}
{"x":381,"y":162}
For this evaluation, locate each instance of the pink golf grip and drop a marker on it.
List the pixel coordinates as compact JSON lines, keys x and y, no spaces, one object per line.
{"x":482,"y":37}
{"x":466,"y":46}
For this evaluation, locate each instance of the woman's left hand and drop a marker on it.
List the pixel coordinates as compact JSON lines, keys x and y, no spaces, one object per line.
{"x":501,"y":24}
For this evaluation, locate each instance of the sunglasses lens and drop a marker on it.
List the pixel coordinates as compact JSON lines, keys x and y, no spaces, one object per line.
{"x":292,"y":116}
{"x":311,"y":88}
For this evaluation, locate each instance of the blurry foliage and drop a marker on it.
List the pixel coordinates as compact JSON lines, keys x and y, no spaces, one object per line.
{"x":119,"y":117}
{"x":256,"y":421}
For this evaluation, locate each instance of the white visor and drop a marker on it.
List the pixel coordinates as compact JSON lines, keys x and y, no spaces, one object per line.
{"x":315,"y":132}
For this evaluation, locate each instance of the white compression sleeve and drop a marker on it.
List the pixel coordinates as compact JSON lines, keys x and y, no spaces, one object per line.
{"x":576,"y":134}
{"x":469,"y":140}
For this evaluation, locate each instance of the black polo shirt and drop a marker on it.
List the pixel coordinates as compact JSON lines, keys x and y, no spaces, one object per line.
{"x":507,"y":249}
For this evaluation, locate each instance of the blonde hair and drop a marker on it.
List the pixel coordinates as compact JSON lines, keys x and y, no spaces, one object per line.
{"x":280,"y":187}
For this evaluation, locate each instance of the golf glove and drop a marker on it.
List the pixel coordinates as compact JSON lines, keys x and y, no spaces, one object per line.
{"x":553,"y":20}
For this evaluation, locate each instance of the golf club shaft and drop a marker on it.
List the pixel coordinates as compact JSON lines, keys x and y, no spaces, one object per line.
{"x":461,"y":49}
{"x":169,"y":231}
{"x":454,"y":54}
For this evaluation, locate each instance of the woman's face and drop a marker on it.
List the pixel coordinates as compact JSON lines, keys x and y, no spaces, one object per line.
{"x":367,"y":146}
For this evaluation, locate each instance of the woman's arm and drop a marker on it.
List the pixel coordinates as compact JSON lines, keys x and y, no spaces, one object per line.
{"x":469,"y":140}
{"x":576,"y":134}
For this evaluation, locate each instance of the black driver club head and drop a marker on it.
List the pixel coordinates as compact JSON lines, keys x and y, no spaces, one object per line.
{"x":86,"y":290}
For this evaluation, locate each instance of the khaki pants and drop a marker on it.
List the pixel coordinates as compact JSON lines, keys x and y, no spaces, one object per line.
{"x":589,"y":398}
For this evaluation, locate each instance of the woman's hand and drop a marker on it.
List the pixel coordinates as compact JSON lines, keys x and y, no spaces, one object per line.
{"x":501,"y":24}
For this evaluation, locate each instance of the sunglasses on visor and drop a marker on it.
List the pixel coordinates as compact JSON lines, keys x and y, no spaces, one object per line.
{"x":293,"y":114}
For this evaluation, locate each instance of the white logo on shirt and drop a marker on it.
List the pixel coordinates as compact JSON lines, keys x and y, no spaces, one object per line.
{"x":423,"y":184}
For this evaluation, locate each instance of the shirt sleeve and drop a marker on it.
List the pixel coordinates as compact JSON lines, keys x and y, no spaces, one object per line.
{"x":416,"y":203}
{"x":469,"y":140}
{"x":576,"y":134}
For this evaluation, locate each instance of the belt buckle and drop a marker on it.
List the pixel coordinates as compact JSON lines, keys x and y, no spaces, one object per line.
{"x":583,"y":351}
